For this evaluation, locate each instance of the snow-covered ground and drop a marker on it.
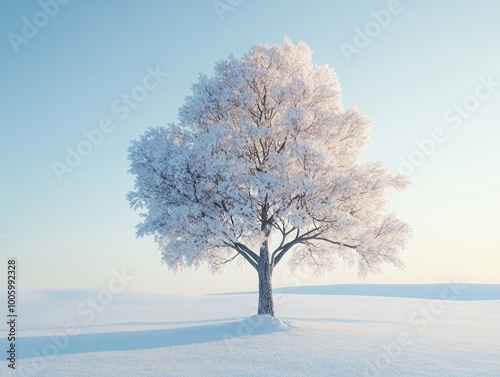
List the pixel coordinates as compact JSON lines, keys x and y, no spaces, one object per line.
{"x":97,"y":333}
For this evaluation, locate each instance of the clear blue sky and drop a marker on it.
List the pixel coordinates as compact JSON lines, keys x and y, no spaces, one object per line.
{"x":407,"y":76}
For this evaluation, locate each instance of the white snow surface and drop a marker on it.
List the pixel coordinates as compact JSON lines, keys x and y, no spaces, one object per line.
{"x":144,"y":334}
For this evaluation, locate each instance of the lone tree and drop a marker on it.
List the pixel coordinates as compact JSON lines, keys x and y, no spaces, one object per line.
{"x":262,"y":165}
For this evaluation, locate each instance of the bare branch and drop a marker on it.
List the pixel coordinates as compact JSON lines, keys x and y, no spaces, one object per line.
{"x":304,"y":239}
{"x":219,"y":262}
{"x":248,"y":254}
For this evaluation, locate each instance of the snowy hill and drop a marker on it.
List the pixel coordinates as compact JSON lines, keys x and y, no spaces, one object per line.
{"x":321,"y":331}
{"x":471,"y":292}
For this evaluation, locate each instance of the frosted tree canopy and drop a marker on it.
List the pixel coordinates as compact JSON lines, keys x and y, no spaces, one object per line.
{"x":264,"y":165}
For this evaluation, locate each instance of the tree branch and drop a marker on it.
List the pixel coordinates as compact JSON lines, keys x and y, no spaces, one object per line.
{"x":303,"y":239}
{"x":284,"y":236}
{"x":225,"y":260}
{"x":245,"y":252}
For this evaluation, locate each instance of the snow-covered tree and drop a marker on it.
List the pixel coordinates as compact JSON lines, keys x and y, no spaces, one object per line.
{"x":263,"y":165}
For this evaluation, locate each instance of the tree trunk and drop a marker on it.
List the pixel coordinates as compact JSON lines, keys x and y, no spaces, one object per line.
{"x":266,"y":303}
{"x":265,"y":268}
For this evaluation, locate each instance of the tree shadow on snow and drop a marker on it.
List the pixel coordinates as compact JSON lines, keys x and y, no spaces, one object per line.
{"x":29,"y":347}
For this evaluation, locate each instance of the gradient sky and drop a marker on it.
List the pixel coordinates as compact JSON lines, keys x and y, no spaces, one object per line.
{"x":407,"y":77}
